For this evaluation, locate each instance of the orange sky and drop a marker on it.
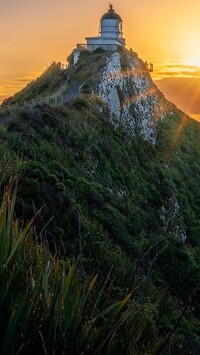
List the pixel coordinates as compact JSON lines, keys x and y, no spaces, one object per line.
{"x":33,"y":34}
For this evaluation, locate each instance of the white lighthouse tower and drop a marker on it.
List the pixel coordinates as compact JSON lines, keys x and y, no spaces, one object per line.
{"x":110,"y":34}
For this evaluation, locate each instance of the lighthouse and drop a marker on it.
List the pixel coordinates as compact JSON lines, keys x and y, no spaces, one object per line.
{"x":110,"y":34}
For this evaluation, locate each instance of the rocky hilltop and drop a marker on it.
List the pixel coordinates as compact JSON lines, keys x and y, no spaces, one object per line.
{"x":133,"y":99}
{"x":121,"y":79}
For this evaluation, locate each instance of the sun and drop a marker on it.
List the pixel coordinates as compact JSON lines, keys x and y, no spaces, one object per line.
{"x":193,"y":62}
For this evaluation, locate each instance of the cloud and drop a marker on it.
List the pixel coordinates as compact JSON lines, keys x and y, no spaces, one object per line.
{"x":184,"y":92}
{"x":27,"y":77}
{"x":23,"y":80}
{"x":167,"y":69}
{"x":9,"y":86}
{"x":8,"y":90}
{"x":179,"y":80}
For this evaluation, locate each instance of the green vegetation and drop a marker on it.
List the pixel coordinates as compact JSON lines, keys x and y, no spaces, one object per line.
{"x":99,"y":232}
{"x":54,"y":77}
{"x":88,"y":64}
{"x":46,"y":305}
{"x":49,"y":82}
{"x":97,"y":198}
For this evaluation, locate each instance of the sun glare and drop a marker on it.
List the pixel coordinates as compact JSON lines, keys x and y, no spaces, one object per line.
{"x":192,"y":61}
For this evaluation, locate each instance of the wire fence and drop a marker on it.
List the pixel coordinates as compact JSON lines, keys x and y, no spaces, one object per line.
{"x":60,"y":97}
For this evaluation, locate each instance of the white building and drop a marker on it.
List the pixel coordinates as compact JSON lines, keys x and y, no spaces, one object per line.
{"x":110,"y":34}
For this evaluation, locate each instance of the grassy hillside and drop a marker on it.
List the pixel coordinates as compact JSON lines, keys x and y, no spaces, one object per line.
{"x":49,"y":82}
{"x":121,"y":208}
{"x":54,"y":77}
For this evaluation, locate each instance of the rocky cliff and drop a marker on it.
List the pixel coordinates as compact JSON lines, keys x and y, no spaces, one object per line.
{"x":120,"y":79}
{"x":133,"y":99}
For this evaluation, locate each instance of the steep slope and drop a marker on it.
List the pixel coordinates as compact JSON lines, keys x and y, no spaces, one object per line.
{"x":133,"y":98}
{"x":123,"y":82}
{"x":124,"y":206}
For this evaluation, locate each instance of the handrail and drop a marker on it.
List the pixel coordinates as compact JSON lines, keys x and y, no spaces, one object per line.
{"x":55,"y":99}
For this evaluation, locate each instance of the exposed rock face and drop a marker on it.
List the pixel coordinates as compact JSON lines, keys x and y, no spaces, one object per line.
{"x":132,"y":97}
{"x":172,"y":219}
{"x":134,"y":101}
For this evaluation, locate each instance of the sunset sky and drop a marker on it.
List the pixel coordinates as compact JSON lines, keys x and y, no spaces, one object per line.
{"x":167,"y":33}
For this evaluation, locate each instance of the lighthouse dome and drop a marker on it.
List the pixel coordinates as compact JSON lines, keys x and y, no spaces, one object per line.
{"x":111,"y":15}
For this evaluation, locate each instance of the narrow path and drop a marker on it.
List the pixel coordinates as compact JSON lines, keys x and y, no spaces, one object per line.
{"x":73,"y":91}
{"x":55,"y":99}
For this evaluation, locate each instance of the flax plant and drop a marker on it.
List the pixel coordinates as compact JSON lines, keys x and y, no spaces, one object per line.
{"x":47,"y":304}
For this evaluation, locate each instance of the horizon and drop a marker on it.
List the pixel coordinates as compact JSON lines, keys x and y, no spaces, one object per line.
{"x":176,"y":63}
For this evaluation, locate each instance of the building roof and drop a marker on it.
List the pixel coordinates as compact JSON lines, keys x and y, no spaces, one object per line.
{"x":111,"y":14}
